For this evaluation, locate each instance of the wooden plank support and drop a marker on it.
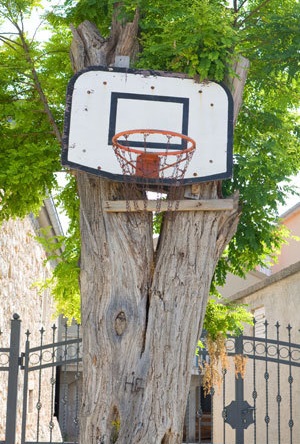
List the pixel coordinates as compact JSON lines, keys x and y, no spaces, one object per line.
{"x":123,"y":206}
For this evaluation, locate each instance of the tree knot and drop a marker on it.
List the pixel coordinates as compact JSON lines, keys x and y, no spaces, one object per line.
{"x":120,"y":323}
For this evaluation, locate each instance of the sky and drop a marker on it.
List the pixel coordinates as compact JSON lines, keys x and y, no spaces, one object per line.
{"x":292,"y":200}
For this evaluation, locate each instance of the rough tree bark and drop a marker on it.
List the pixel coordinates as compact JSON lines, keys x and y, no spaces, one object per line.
{"x":142,"y":311}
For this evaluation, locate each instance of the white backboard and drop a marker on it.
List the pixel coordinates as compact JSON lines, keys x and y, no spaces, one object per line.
{"x":104,"y":101}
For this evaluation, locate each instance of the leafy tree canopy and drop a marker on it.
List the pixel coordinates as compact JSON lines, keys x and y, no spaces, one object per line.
{"x":198,"y":37}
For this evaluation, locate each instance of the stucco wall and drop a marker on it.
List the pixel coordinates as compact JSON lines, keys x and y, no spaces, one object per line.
{"x":289,"y":255}
{"x":290,"y":252}
{"x":279,"y":294}
{"x":21,"y":266}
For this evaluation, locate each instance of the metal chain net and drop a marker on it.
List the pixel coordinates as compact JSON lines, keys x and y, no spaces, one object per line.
{"x":155,"y":174}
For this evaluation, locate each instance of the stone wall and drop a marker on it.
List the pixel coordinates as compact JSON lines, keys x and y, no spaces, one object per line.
{"x":21,"y":266}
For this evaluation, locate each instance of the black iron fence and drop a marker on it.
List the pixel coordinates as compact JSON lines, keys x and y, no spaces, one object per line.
{"x":267,"y":399}
{"x":260,"y":407}
{"x":49,"y":398}
{"x":43,"y":385}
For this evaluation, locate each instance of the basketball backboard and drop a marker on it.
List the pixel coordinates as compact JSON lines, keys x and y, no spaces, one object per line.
{"x":104,"y":101}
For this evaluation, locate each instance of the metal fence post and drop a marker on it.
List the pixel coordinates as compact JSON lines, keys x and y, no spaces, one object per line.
{"x":239,"y":394}
{"x":12,"y":391}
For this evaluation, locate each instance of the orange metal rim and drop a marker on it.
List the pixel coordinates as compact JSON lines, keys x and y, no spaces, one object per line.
{"x":119,"y":145}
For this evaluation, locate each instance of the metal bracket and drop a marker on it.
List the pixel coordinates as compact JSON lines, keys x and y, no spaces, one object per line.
{"x":192,"y":191}
{"x":239,"y":415}
{"x":122,"y":61}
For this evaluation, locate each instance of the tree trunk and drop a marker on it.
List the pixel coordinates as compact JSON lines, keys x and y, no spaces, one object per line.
{"x":142,"y":312}
{"x":142,"y":316}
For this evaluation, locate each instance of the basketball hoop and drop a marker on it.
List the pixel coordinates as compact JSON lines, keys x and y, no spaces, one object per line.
{"x":153,"y":154}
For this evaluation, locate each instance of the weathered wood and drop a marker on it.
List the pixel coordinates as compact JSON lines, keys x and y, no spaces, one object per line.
{"x":123,"y":37}
{"x":122,"y":206}
{"x":141,"y":317}
{"x":88,"y":47}
{"x":116,"y":264}
{"x":142,"y":311}
{"x":236,"y":84}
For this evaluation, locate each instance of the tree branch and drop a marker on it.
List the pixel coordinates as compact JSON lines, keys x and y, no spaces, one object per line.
{"x":9,"y":42}
{"x":35,"y":77}
{"x":36,"y":30}
{"x":32,"y":133}
{"x":39,"y":88}
{"x":255,"y":10}
{"x":236,"y":84}
{"x":236,"y":9}
{"x":88,"y":47}
{"x":123,"y":37}
{"x":241,"y":5}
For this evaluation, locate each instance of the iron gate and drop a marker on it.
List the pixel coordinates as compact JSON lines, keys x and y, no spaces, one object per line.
{"x":47,"y":407}
{"x":261,"y":408}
